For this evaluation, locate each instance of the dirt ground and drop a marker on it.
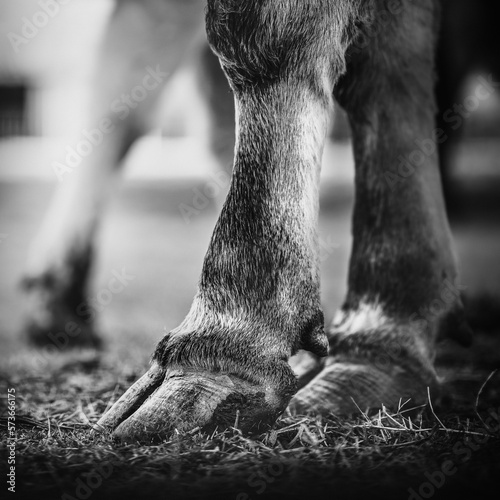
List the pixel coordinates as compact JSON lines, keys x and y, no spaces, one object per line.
{"x":58,"y":395}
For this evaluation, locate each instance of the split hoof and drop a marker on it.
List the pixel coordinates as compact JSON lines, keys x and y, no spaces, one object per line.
{"x":345,"y":388}
{"x":163,"y":400}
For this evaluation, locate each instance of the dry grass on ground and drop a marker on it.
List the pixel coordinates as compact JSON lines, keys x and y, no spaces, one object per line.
{"x":386,"y":455}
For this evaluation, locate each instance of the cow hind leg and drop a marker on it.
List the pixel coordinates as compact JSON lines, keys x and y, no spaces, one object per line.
{"x":403,"y":290}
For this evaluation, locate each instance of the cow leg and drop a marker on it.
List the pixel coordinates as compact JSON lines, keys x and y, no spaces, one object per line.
{"x":402,"y":287}
{"x":143,"y":45}
{"x":258,"y":297}
{"x":217,"y":93}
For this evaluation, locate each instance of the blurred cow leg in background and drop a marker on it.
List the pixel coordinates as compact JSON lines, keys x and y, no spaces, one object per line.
{"x":144,"y":43}
{"x":219,"y":98}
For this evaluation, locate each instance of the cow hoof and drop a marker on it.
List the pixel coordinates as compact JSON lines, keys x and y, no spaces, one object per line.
{"x":345,"y":388}
{"x":53,"y":319}
{"x":163,"y":400}
{"x":63,"y":334}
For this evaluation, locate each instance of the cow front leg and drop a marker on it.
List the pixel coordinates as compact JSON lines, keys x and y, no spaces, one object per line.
{"x":403,"y":290}
{"x":258,"y":297}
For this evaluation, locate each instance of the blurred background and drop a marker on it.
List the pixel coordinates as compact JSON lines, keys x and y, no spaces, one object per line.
{"x":45,"y":93}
